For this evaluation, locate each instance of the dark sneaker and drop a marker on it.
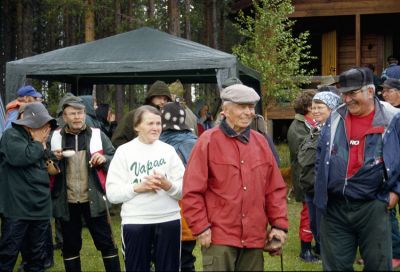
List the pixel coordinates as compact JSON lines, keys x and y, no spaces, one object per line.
{"x":308,"y":257}
{"x":316,"y":250}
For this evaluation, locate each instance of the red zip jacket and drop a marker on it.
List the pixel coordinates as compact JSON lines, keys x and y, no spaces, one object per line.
{"x":234,"y":188}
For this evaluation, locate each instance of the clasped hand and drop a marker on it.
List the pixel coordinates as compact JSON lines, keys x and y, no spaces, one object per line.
{"x":153,"y":182}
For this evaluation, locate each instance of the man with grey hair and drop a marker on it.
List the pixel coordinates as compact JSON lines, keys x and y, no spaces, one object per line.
{"x":233,"y":190}
{"x":84,"y":155}
{"x":391,"y":91}
{"x":357,"y":176}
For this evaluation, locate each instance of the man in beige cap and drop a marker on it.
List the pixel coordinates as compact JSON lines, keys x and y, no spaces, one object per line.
{"x":233,"y":189}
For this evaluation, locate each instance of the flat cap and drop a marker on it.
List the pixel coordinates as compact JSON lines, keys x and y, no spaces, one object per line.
{"x":391,"y":83}
{"x":240,"y":94}
{"x":73,"y":101}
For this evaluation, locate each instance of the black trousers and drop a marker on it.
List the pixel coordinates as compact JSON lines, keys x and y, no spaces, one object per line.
{"x":139,"y":240}
{"x":17,"y":231}
{"x":98,"y":227}
{"x":348,"y":225}
{"x":187,"y":257}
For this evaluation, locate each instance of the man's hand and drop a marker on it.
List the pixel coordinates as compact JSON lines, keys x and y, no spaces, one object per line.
{"x":97,"y":159}
{"x":205,"y":238}
{"x":393,"y":199}
{"x":58,"y":154}
{"x":276,"y":238}
{"x":40,"y":134}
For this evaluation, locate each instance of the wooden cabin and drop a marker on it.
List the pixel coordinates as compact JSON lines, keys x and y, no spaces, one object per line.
{"x":344,"y":34}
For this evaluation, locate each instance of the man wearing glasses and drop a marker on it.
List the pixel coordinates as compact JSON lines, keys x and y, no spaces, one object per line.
{"x":358,"y":171}
{"x":84,"y":154}
{"x":391,"y":91}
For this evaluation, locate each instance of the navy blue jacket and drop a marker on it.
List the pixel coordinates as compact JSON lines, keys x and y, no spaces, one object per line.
{"x":380,"y":172}
{"x":182,"y":140}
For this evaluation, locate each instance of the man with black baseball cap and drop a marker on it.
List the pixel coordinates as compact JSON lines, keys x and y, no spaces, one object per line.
{"x":358,"y":176}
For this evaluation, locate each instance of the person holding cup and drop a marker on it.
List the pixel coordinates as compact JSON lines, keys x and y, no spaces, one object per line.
{"x":79,"y":189}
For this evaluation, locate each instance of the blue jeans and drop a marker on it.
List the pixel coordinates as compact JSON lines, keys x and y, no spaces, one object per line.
{"x":314,"y":215}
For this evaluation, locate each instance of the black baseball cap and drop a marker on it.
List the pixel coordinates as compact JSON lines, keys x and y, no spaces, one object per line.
{"x":355,"y":78}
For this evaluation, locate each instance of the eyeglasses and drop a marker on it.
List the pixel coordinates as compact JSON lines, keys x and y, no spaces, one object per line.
{"x":387,"y":90}
{"x":352,"y":93}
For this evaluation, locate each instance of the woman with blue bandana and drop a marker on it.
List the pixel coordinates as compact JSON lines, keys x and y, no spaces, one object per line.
{"x":322,"y":105}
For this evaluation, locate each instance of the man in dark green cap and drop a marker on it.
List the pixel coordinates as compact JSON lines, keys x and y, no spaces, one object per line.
{"x":157,"y":96}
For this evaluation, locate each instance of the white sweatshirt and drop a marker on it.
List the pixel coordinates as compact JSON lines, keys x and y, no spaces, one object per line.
{"x":131,"y":163}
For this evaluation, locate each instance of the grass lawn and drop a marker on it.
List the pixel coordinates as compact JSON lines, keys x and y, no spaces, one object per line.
{"x":91,"y":258}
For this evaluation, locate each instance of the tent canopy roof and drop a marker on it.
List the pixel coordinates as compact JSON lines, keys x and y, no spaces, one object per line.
{"x":136,"y":57}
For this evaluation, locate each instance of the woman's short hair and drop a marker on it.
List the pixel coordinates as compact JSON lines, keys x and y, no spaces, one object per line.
{"x":303,"y":101}
{"x":139,"y":112}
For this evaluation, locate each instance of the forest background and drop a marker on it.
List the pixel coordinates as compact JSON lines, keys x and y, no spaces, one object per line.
{"x":31,"y":27}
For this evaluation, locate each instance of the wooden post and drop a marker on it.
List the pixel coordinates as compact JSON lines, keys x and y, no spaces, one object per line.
{"x":358,"y":40}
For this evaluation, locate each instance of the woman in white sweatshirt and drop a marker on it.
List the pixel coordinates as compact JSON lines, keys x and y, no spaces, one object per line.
{"x":146,"y":176}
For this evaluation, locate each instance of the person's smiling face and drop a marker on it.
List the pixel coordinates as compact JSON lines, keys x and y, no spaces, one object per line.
{"x":359,"y":102}
{"x":149,"y":129}
{"x":320,"y":111}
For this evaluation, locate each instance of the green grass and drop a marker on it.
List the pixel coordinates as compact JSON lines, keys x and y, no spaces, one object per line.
{"x":91,"y":258}
{"x":284,"y":155}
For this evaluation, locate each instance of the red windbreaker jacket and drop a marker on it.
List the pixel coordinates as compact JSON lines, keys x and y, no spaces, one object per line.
{"x":234,"y":188}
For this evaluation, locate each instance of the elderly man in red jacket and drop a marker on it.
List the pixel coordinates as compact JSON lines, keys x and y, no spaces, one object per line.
{"x":233,"y":189}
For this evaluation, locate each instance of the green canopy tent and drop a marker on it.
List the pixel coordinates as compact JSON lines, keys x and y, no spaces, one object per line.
{"x":136,"y":57}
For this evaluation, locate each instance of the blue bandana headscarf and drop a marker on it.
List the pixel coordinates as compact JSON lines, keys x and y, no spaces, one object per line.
{"x":330,"y":99}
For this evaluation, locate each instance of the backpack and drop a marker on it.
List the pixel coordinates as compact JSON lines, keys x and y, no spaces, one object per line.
{"x":306,"y":158}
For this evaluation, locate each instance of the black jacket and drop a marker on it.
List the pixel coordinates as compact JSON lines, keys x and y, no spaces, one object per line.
{"x":24,"y":184}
